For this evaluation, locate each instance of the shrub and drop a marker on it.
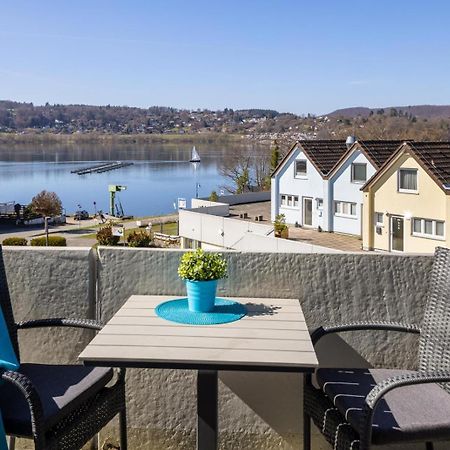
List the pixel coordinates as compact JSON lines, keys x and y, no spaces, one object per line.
{"x":15,"y":241}
{"x":105,"y":236}
{"x":53,"y":241}
{"x":201,"y":266}
{"x":139,"y":238}
{"x":280,"y":227}
{"x":213,"y":197}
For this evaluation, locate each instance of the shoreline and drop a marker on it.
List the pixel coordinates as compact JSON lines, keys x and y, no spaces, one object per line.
{"x":100,"y":138}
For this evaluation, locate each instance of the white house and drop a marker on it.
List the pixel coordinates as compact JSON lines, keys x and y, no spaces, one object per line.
{"x":299,"y":186}
{"x":345,"y":180}
{"x":319,"y":183}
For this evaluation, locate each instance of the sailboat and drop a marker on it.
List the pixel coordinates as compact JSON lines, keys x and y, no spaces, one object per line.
{"x":195,"y":157}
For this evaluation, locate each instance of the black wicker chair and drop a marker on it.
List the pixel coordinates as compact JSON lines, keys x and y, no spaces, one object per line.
{"x":59,"y":407}
{"x":359,"y":408}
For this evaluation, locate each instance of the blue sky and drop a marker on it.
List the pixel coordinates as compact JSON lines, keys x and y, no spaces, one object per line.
{"x":298,"y":56}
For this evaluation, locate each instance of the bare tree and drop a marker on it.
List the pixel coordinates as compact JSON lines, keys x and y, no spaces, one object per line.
{"x":46,"y":203}
{"x":247,"y":168}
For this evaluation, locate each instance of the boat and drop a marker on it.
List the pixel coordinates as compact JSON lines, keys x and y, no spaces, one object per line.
{"x":195,"y":157}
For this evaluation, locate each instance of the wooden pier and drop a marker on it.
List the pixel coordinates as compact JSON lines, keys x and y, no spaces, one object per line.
{"x":104,"y":167}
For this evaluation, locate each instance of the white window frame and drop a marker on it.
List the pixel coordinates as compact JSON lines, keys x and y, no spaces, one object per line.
{"x":408,"y":191}
{"x":352,"y":177}
{"x":301,"y":174}
{"x":422,"y":233}
{"x":340,"y":208}
{"x":377,"y":222}
{"x":289,"y":198}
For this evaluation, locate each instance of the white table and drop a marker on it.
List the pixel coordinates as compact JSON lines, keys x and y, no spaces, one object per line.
{"x":273,"y":337}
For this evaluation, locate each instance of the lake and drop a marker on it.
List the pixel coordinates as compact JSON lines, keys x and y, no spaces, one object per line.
{"x":160,"y":174}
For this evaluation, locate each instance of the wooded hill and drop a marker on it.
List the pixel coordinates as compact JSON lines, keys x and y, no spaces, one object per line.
{"x":425,"y":122}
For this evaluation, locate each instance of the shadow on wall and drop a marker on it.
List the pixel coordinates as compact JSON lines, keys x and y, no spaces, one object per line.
{"x":277,"y":398}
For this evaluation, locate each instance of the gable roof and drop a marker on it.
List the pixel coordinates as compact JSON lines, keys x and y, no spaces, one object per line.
{"x":323,"y":154}
{"x":434,"y":157}
{"x":377,"y":152}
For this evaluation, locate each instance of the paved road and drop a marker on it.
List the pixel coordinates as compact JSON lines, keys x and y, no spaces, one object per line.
{"x":73,"y":229}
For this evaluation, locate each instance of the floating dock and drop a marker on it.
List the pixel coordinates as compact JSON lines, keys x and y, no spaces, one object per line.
{"x":100,"y":168}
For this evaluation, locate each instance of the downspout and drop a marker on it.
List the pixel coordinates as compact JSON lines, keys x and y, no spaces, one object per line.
{"x":275,"y":196}
{"x":370,"y":229}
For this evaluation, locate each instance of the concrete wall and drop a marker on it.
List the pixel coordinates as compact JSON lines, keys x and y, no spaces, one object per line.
{"x":257,"y":411}
{"x":216,"y":230}
{"x":49,"y":282}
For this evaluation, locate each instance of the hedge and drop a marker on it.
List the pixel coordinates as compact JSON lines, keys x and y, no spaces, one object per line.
{"x":53,"y":241}
{"x":15,"y":241}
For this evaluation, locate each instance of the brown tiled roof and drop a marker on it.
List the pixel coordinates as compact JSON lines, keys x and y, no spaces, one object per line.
{"x":435,"y":156}
{"x":380,"y":151}
{"x":324,"y":154}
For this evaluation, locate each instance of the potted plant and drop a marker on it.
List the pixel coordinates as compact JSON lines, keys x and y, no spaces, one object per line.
{"x":280,"y":227}
{"x":202,"y":271}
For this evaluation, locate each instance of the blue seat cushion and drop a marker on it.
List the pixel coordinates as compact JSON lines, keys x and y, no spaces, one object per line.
{"x":60,"y":388}
{"x":410,"y":413}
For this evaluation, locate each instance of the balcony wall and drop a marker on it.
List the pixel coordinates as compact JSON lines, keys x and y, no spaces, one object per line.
{"x":256,"y":410}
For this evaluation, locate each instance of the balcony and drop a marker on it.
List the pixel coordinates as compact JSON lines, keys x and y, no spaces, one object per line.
{"x":256,"y":410}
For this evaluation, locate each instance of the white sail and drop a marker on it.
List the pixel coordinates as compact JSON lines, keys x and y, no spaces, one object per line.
{"x":195,"y":156}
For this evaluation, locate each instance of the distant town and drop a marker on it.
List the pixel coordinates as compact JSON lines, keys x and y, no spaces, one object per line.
{"x":413,"y":122}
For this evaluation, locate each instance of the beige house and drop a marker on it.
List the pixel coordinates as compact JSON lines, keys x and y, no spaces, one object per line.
{"x":407,"y":202}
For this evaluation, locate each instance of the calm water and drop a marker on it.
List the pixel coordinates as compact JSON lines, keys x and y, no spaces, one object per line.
{"x":161,"y":173}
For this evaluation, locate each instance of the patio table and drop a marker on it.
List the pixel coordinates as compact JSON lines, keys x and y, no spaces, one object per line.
{"x":272,"y":337}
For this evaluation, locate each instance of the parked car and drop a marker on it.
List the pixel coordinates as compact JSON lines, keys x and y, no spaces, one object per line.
{"x":81,"y":215}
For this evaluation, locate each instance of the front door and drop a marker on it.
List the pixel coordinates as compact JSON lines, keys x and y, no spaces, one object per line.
{"x":307,"y":211}
{"x":397,"y":227}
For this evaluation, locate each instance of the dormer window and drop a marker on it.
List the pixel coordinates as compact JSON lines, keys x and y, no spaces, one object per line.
{"x":300,"y":168}
{"x":407,"y":180}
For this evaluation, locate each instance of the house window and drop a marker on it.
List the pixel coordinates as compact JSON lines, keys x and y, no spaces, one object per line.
{"x":346,"y":209}
{"x":319,"y":203}
{"x":379,"y":219}
{"x":300,"y":168}
{"x":428,"y":228}
{"x":359,"y":173}
{"x":289,"y":201}
{"x":407,"y":180}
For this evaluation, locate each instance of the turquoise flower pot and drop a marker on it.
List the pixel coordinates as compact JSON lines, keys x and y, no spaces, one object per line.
{"x":201,"y":295}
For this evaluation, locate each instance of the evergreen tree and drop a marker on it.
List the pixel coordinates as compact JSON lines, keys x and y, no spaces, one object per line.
{"x":275,"y":156}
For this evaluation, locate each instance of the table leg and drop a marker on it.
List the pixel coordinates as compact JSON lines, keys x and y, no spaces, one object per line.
{"x":207,"y":410}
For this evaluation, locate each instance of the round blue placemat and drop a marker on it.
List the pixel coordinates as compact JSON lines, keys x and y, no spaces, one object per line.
{"x":224,"y":311}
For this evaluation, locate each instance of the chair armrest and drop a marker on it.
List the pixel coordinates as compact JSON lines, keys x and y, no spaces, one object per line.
{"x":383,"y":387}
{"x":26,"y":387}
{"x":407,"y":379}
{"x":60,"y":322}
{"x":317,"y":334}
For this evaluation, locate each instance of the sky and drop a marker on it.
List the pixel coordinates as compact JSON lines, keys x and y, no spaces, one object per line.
{"x":290,"y":55}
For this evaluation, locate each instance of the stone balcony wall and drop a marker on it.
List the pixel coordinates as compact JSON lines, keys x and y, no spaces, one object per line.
{"x":257,"y":410}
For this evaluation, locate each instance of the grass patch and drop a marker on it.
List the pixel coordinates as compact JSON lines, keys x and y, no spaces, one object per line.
{"x":167,"y":228}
